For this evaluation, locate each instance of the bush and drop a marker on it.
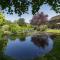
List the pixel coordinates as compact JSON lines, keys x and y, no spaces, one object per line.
{"x":14,"y":28}
{"x":5,"y":27}
{"x":42,"y":28}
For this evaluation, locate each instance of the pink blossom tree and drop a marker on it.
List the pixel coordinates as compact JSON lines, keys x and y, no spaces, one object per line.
{"x":39,"y":19}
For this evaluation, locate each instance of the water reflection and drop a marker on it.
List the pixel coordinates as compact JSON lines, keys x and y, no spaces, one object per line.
{"x":29,"y":48}
{"x":40,"y":41}
{"x":3,"y":43}
{"x":21,"y":37}
{"x":12,"y":37}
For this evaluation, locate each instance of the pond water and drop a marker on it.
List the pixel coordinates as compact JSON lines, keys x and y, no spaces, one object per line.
{"x":26,"y":49}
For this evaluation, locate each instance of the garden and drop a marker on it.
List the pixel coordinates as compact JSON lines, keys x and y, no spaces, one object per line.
{"x":37,"y":40}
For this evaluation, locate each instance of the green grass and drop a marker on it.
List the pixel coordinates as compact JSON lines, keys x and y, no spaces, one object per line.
{"x":55,"y":53}
{"x":53,"y":30}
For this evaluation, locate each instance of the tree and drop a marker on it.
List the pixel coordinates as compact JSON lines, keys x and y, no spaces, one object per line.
{"x":38,"y":19}
{"x":2,"y":19}
{"x":8,"y":22}
{"x":21,"y":6}
{"x":21,"y":22}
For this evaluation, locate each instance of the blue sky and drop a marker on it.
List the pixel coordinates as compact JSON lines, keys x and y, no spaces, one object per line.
{"x":44,"y":8}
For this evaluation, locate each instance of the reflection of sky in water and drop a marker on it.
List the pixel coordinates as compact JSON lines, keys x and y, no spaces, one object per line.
{"x":25,"y":50}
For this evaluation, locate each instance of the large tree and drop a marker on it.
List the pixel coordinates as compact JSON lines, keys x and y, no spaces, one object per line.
{"x":21,"y":6}
{"x":39,"y":19}
{"x":21,"y":22}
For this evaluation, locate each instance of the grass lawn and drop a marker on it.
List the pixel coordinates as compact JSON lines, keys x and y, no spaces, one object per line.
{"x":53,"y":31}
{"x":55,"y":53}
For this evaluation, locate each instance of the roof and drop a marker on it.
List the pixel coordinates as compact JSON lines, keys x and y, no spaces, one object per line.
{"x":55,"y":17}
{"x":58,"y":23}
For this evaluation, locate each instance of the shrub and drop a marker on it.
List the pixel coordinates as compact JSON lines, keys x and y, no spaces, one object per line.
{"x":5,"y":27}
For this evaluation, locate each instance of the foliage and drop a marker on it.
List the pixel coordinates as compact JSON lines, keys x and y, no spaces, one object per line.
{"x":29,"y":25}
{"x":42,"y":27}
{"x":5,"y":27}
{"x":21,"y":6}
{"x":7,"y":22}
{"x":21,"y":22}
{"x":39,"y":18}
{"x":1,"y":34}
{"x":14,"y":28}
{"x":2,"y":20}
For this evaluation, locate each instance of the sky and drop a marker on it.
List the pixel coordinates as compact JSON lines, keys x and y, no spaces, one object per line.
{"x":46,"y":9}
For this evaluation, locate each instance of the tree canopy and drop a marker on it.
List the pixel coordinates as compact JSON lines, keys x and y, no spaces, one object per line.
{"x":21,"y":6}
{"x":21,"y":22}
{"x":39,"y":19}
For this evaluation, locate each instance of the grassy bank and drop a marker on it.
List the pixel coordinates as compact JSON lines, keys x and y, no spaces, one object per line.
{"x":53,"y":31}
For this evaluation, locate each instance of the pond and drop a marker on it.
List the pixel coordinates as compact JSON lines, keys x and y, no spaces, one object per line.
{"x":27,"y":48}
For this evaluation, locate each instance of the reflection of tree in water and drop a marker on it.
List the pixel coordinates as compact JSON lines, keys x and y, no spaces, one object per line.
{"x":12,"y":37}
{"x":3,"y":43}
{"x":22,"y":36}
{"x":40,"y":41}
